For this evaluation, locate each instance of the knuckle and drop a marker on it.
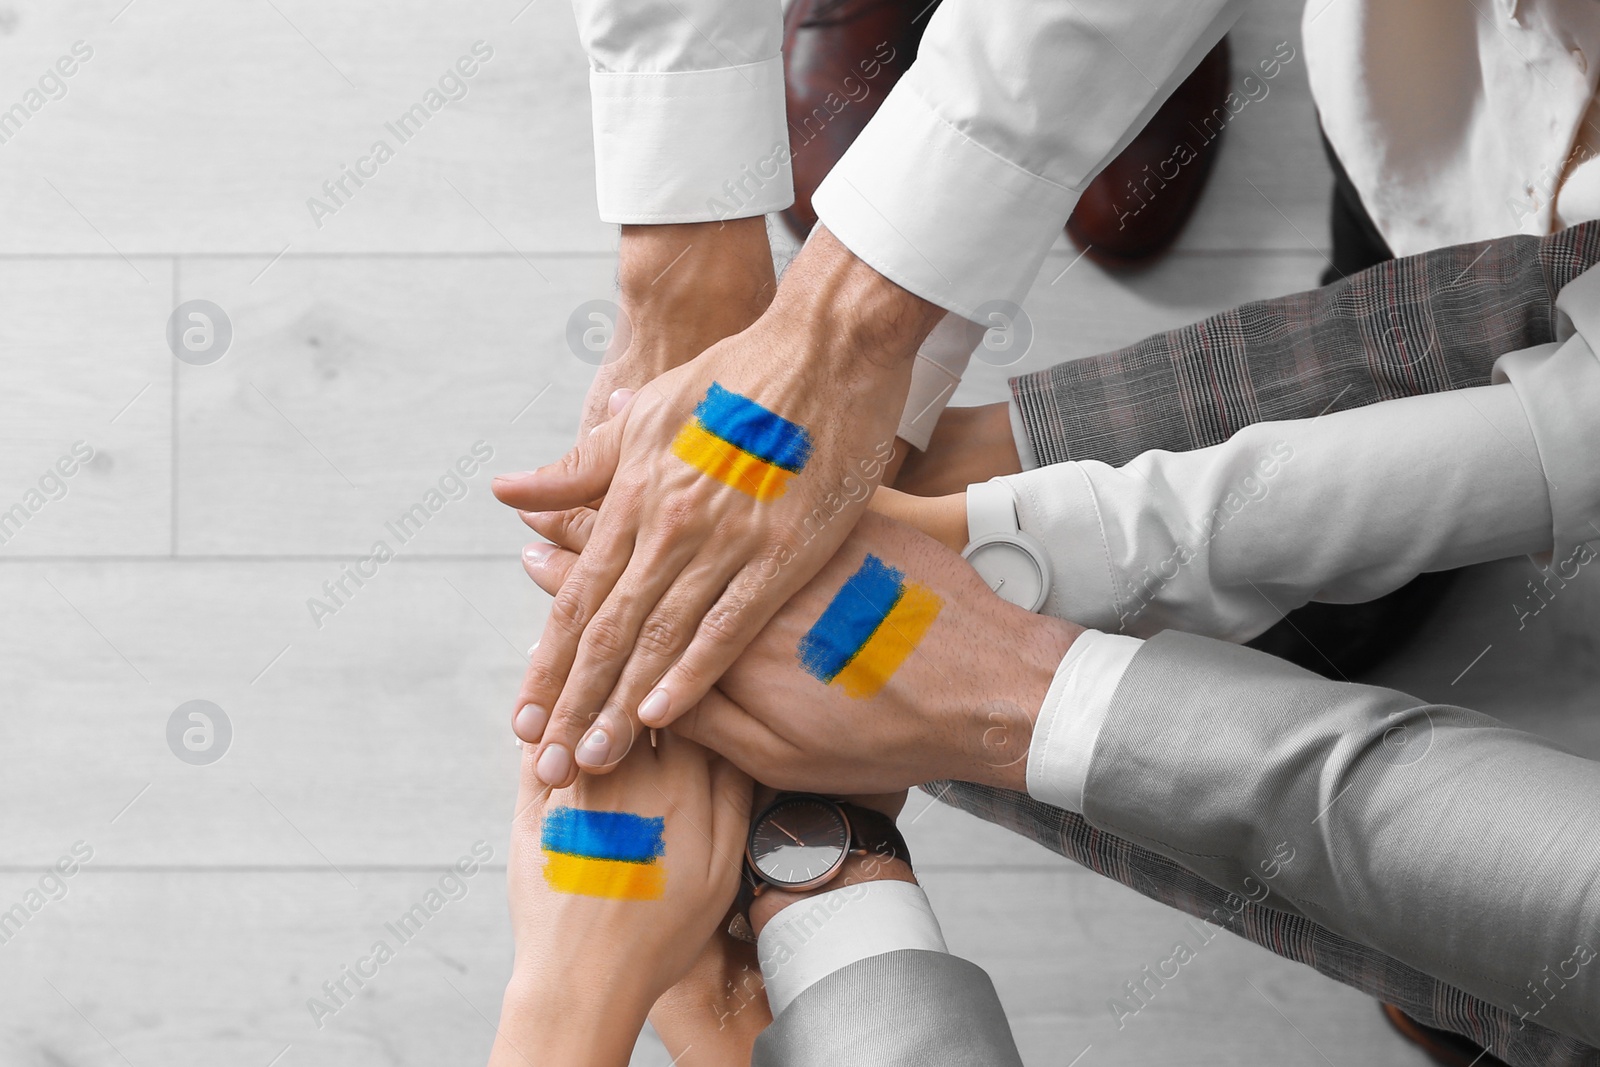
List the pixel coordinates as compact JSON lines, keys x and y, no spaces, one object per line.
{"x":569,"y":608}
{"x":540,"y":679}
{"x":658,"y":637}
{"x":677,"y":514}
{"x":723,"y":623}
{"x":606,"y":636}
{"x":568,"y":722}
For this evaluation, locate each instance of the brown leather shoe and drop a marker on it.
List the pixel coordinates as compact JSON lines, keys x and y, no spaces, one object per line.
{"x":1451,"y":1050}
{"x":841,"y":58}
{"x":1138,"y":205}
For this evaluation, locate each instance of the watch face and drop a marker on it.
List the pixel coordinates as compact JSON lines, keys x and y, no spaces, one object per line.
{"x":1010,"y":570}
{"x":799,"y":842}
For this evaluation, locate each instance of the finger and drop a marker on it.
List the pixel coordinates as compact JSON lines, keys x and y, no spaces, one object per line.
{"x":619,"y":400}
{"x":724,"y":632}
{"x":734,"y":734}
{"x":531,"y":794}
{"x":589,"y":707}
{"x":582,"y":475}
{"x":570,"y":529}
{"x":548,"y":565}
{"x":665,"y":631}
{"x":586,"y":586}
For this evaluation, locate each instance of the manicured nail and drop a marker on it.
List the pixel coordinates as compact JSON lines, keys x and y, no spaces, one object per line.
{"x":532,"y":649}
{"x":536,"y":554}
{"x":595,"y":749}
{"x":619,"y":400}
{"x":655,"y":706}
{"x":530,"y":722}
{"x":596,"y":429}
{"x":553,"y":765}
{"x":516,"y":477}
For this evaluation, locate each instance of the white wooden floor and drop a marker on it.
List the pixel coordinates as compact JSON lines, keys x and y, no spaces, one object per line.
{"x":368,"y":355}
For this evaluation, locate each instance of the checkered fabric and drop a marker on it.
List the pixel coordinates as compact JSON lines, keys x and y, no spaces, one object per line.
{"x":1416,"y":325}
{"x":1422,"y":324}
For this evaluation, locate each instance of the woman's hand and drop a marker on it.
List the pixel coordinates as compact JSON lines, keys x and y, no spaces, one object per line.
{"x":616,"y":885}
{"x":943,"y":518}
{"x":968,"y":445}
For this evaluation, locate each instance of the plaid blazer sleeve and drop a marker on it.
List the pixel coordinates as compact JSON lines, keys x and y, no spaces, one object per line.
{"x":1421,"y":324}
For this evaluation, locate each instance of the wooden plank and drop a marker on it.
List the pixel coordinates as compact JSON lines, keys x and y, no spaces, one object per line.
{"x":312,"y":88}
{"x":356,"y":385}
{"x":87,"y":373}
{"x":213,"y":126}
{"x":189,"y":967}
{"x":1272,"y":185}
{"x":381,"y":737}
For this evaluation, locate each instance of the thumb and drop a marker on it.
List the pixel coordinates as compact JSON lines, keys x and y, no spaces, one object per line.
{"x":577,"y":478}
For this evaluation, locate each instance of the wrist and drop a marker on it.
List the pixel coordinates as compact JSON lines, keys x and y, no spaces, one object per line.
{"x":697,"y":268}
{"x":576,"y":1017}
{"x":852,"y":313}
{"x":1002,"y":710}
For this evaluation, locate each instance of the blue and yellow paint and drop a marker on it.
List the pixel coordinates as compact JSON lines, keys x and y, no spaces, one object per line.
{"x":612,"y":854}
{"x":742,"y":444}
{"x":869,"y":629}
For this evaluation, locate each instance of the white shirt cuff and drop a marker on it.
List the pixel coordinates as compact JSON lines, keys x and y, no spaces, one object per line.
{"x":1074,"y":710}
{"x":1019,"y":434}
{"x":937,"y":213}
{"x":941,"y":361}
{"x":813,"y":938}
{"x":1058,"y":506}
{"x":691,"y":146}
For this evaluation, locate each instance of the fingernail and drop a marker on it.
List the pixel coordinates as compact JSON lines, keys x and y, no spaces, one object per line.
{"x":596,"y":429}
{"x":536,"y":553}
{"x":532,"y":649}
{"x":654,"y":708}
{"x":516,"y":477}
{"x":530,"y":722}
{"x":553,"y":765}
{"x":619,"y":400}
{"x":595,"y":750}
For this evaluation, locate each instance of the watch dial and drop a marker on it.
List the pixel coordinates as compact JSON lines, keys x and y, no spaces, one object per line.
{"x":799,"y":841}
{"x":1010,"y":571}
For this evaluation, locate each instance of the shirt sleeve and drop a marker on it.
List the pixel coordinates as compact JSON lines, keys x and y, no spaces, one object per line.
{"x":958,"y":186}
{"x":814,"y":937}
{"x":688,"y":108}
{"x":1073,"y":712}
{"x":1343,"y":508}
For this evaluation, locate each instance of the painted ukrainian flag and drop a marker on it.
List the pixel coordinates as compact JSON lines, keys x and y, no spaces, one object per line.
{"x":612,"y":854}
{"x":869,"y":629}
{"x":740,"y":443}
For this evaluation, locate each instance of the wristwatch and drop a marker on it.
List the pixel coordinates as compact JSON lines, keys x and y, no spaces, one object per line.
{"x":799,"y":843}
{"x":1013,"y":563}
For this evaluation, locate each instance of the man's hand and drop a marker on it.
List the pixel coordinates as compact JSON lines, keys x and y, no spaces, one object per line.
{"x":959,"y":704}
{"x":616,"y":885}
{"x":682,"y":289}
{"x":727,"y":484}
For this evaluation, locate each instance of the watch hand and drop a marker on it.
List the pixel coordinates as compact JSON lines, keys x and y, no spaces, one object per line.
{"x":786,"y":833}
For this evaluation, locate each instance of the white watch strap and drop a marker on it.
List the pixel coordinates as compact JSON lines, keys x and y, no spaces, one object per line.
{"x":991,"y":509}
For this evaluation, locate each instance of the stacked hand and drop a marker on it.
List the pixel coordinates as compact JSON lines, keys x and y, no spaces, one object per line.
{"x":681,"y":570}
{"x":960,"y":706}
{"x":590,"y":967}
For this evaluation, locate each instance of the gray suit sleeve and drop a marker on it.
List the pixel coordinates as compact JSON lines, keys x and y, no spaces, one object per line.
{"x":913,"y":1008}
{"x":1437,"y":835}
